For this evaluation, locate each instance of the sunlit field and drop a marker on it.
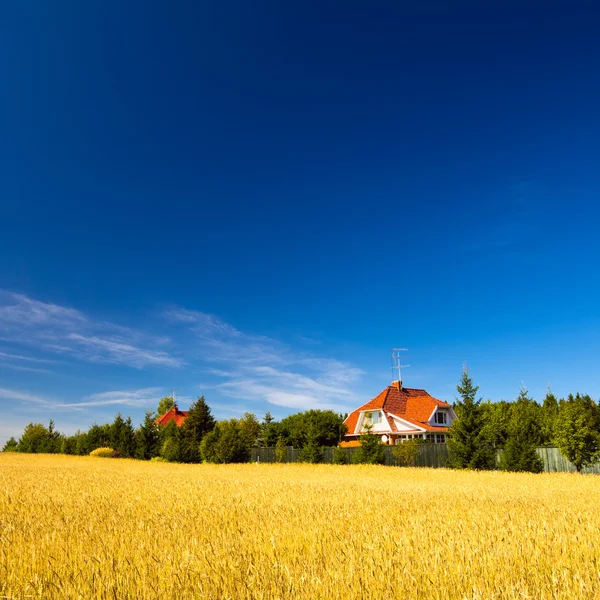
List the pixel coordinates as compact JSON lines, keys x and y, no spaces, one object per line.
{"x":106,"y":528}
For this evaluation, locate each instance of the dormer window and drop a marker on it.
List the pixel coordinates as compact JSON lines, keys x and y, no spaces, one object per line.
{"x":440,"y":418}
{"x":373,"y":417}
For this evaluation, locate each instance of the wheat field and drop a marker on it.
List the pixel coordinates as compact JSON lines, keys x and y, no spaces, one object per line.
{"x":86,"y":527}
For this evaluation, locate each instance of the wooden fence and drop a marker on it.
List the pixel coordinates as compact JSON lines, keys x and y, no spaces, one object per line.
{"x":429,"y":455}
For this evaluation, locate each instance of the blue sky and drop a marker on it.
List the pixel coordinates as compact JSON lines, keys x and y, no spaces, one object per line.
{"x":256,"y":201}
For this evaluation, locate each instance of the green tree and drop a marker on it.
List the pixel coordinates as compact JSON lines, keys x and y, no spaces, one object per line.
{"x":523,"y":437}
{"x":164,"y":405}
{"x":171,"y":442}
{"x":98,"y":436}
{"x":280,"y":450}
{"x":250,"y":429}
{"x":312,"y":452}
{"x":226,"y":443}
{"x":576,"y":431}
{"x":406,"y":452}
{"x":122,"y":436}
{"x":469,"y":443}
{"x":548,"y":418}
{"x":496,"y":417}
{"x":326,"y":425}
{"x":69,"y":445}
{"x":370,"y":450}
{"x":340,"y":456}
{"x":197,"y":424}
{"x":11,"y":445}
{"x":39,"y":439}
{"x":147,"y":438}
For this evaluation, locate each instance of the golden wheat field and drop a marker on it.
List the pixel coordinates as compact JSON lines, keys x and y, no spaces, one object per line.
{"x":103,"y":528}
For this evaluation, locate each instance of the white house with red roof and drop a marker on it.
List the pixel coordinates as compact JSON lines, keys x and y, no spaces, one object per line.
{"x":399,"y":414}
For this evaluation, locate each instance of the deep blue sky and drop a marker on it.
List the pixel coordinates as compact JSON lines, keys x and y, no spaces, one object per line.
{"x":255,"y":201}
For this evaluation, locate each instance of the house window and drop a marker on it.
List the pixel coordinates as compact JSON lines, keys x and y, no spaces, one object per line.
{"x":374,"y":417}
{"x":440,"y":418}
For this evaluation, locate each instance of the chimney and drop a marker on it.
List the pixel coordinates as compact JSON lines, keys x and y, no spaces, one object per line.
{"x":397,"y":385}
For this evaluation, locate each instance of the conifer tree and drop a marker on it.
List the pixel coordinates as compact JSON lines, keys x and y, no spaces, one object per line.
{"x":469,"y":443}
{"x":147,"y":438}
{"x":520,"y":452}
{"x":370,"y":450}
{"x":197,"y":424}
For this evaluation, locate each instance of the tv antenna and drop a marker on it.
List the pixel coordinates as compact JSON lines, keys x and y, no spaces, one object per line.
{"x":397,"y":362}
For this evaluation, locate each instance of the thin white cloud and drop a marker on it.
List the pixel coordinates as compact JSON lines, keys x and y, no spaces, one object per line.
{"x":8,"y":394}
{"x":56,"y":329}
{"x":142,"y":398}
{"x":259,"y":369}
{"x":117,"y":351}
{"x":9,"y":355}
{"x":6,"y":365}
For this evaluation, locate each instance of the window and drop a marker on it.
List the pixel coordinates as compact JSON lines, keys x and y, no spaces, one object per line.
{"x":440,"y":418}
{"x":374,"y":417}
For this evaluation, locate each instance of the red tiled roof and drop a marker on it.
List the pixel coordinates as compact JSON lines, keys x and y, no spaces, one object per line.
{"x":410,"y":404}
{"x":173,"y":414}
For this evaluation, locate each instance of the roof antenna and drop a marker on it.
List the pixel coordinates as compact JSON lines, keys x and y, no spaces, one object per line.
{"x":397,"y":363}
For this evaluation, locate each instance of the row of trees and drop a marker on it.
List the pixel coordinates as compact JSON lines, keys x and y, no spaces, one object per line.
{"x":518,"y":428}
{"x":200,"y":438}
{"x":481,"y":430}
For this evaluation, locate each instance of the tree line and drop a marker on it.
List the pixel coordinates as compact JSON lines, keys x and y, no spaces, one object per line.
{"x":485,"y":435}
{"x":201,"y":438}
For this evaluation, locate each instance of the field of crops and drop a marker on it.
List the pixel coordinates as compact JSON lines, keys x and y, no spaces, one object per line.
{"x":107,"y":528}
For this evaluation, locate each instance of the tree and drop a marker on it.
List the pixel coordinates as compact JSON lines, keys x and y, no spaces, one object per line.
{"x":312,"y":451}
{"x":147,"y":438}
{"x":98,"y":436}
{"x":576,"y":431}
{"x":340,"y":456}
{"x":326,"y":425}
{"x":406,"y":452}
{"x":520,"y":452}
{"x":122,"y":436}
{"x":469,"y":443}
{"x":197,"y":424}
{"x":548,"y":418}
{"x":69,"y":445}
{"x":226,"y":443}
{"x":280,"y":450}
{"x":171,"y":442}
{"x":370,"y":450}
{"x":11,"y":445}
{"x":249,"y":429}
{"x":164,"y":405}
{"x":496,"y":416}
{"x":38,"y":439}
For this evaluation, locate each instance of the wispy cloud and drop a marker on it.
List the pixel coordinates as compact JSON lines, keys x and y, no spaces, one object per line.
{"x":8,"y":394}
{"x":142,"y":398}
{"x":60,"y":330}
{"x":258,"y":369}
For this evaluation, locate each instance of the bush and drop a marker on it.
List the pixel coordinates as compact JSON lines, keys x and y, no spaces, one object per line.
{"x":280,"y":450}
{"x":340,"y":456}
{"x":406,"y":452}
{"x":158,"y":459}
{"x":226,"y":443}
{"x":105,"y":453}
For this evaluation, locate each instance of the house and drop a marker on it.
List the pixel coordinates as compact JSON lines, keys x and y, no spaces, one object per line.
{"x":399,"y":414}
{"x":173,"y":414}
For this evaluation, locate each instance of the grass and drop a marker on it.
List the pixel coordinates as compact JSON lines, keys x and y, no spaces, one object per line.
{"x":95,"y":528}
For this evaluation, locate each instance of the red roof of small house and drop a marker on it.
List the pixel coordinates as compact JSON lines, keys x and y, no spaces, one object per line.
{"x":410,"y":404}
{"x":173,"y":414}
